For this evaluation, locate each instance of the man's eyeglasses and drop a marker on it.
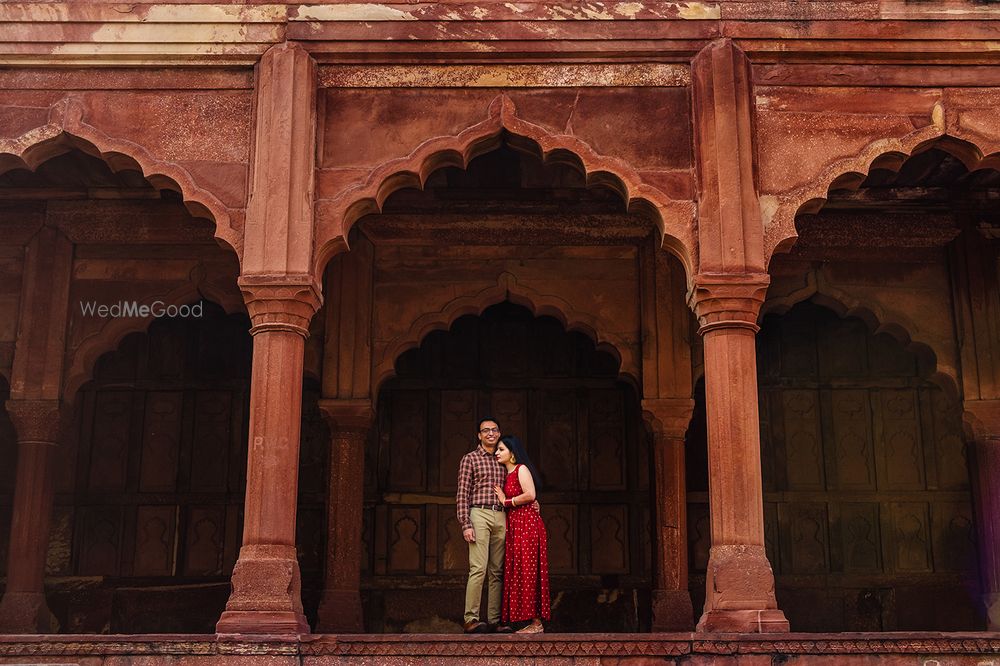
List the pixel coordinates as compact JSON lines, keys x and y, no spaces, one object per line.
{"x":487,"y":431}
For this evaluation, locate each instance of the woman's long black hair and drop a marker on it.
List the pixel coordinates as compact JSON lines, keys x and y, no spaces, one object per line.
{"x":520,"y":454}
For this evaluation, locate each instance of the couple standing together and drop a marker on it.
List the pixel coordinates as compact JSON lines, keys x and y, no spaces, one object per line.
{"x":497,"y":486}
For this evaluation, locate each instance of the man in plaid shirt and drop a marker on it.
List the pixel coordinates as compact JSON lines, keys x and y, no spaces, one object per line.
{"x":483,"y":524}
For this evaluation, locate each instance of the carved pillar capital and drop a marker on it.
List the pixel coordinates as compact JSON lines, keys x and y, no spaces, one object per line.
{"x":348,"y":418}
{"x":37,"y":421}
{"x":727,"y":300}
{"x":281,"y":302}
{"x":667,"y":417}
{"x":982,"y":418}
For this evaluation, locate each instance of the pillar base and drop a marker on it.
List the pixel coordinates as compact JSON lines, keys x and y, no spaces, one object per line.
{"x":340,"y":612}
{"x":26,"y":613}
{"x":739,"y":594}
{"x":266,"y":596}
{"x":743,"y":622}
{"x":672,"y":610}
{"x":992,"y":603}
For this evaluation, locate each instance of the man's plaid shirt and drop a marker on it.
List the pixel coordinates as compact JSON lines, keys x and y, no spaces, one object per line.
{"x":477,"y":475}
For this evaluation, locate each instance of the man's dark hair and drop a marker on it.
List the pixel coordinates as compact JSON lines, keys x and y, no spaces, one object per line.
{"x":484,"y":420}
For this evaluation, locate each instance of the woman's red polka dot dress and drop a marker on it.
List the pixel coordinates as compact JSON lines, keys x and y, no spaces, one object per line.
{"x":526,"y":562}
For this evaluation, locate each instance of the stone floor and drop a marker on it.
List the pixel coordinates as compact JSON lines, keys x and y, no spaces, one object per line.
{"x":923,"y":649}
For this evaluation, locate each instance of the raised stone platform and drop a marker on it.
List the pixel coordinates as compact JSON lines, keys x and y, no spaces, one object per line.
{"x":923,"y":649}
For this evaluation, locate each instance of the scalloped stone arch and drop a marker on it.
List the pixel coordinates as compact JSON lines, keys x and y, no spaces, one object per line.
{"x":82,"y":360}
{"x":66,"y":131}
{"x":507,"y":288}
{"x":876,"y":320}
{"x":674,"y":218}
{"x":780,"y":212}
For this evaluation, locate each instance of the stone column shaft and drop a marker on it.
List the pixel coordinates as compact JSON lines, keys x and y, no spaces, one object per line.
{"x":668,"y":420}
{"x":266,"y":596}
{"x":987,"y":456}
{"x":982,"y":419}
{"x":340,"y":608}
{"x":282,"y":295}
{"x":24,"y":609}
{"x":740,"y":582}
{"x":37,"y":412}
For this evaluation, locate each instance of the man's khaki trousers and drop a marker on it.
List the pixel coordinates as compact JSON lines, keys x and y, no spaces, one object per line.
{"x":486,"y":562}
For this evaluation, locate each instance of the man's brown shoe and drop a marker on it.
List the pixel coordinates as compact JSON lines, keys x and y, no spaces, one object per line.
{"x":504,"y":629}
{"x":474,"y":627}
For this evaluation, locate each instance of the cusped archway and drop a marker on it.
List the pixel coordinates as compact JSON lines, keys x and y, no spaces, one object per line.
{"x":32,"y":150}
{"x":868,"y":507}
{"x":673,"y":218}
{"x":881,"y":163}
{"x":565,"y":398}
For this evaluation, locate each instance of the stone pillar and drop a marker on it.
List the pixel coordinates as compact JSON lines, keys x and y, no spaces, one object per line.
{"x":668,"y":420}
{"x":739,"y":581}
{"x":282,"y":295}
{"x":23,"y":609}
{"x":350,"y":422}
{"x":983,"y":417}
{"x":987,"y":456}
{"x":266,"y":596}
{"x":36,"y":410}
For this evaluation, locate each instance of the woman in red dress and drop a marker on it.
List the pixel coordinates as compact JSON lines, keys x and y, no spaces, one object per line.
{"x":526,"y":562}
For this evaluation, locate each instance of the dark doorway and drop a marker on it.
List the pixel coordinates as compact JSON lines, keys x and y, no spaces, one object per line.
{"x":582,"y":427}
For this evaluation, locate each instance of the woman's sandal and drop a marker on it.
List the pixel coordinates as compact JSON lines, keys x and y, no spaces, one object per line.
{"x":531,"y":629}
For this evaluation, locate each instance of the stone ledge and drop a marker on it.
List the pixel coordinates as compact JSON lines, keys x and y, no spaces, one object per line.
{"x":472,"y":648}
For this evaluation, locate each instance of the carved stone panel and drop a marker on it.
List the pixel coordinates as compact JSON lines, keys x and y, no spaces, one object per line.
{"x":911,"y":543}
{"x":405,"y":548}
{"x":161,"y":441}
{"x":109,"y":440}
{"x":511,"y":408}
{"x":203,"y":542}
{"x":609,"y":537}
{"x":454,"y":550}
{"x":212,"y":440}
{"x":950,"y":453}
{"x":100,"y":536}
{"x":561,"y":531}
{"x":606,"y":431}
{"x":804,"y":539}
{"x":803,"y":440}
{"x":859,"y":528}
{"x":557,"y":450}
{"x":900,"y":440}
{"x":458,"y":419}
{"x":853,"y":454}
{"x":154,"y":542}
{"x":408,"y":441}
{"x":954,"y":537}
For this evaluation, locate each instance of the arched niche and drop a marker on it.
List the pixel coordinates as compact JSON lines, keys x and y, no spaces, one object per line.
{"x":583,"y":426}
{"x":868,"y":512}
